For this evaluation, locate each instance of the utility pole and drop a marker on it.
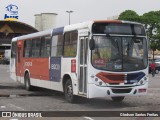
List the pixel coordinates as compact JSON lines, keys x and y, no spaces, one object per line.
{"x":69,"y":12}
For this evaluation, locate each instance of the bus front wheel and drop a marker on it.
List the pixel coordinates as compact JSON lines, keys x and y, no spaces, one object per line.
{"x":68,"y":92}
{"x":27,"y":82}
{"x":118,"y":99}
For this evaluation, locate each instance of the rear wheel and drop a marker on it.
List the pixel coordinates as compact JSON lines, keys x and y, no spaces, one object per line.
{"x":27,"y":82}
{"x":68,"y":92}
{"x":118,"y":99}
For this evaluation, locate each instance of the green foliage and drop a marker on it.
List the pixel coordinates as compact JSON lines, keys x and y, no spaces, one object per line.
{"x":129,"y":15}
{"x":151,"y":20}
{"x":152,"y":23}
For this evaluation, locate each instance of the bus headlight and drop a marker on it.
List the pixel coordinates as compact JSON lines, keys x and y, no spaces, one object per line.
{"x":99,"y":82}
{"x":142,"y":81}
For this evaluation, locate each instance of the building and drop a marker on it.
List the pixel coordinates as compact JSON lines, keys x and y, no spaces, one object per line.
{"x":10,"y":29}
{"x":45,"y":21}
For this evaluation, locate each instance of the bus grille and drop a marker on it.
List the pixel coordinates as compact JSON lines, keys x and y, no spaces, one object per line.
{"x":121,"y":90}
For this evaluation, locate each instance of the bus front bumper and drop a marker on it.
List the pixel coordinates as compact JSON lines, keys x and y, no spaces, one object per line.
{"x":99,"y":92}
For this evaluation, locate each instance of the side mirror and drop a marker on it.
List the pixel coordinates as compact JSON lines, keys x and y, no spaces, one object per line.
{"x":92,"y":44}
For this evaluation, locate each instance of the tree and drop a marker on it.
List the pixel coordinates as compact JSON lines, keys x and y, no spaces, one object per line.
{"x":130,"y":16}
{"x":151,"y":20}
{"x":152,"y":25}
{"x":153,"y":46}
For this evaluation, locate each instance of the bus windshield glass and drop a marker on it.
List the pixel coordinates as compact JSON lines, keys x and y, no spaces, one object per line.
{"x":119,"y":53}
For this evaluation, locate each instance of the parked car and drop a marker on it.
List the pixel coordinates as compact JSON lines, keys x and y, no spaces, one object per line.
{"x":5,"y":61}
{"x":157,"y":61}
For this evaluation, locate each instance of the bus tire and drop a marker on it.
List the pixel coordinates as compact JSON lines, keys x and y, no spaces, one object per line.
{"x":68,"y":92}
{"x":118,"y":99}
{"x":27,"y":82}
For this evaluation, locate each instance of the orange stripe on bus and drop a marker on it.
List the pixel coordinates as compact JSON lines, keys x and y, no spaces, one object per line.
{"x":107,"y":21}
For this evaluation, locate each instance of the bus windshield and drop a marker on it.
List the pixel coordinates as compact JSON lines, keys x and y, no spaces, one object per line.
{"x":119,"y":54}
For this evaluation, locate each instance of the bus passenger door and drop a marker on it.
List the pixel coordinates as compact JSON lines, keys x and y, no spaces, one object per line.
{"x":83,"y":65}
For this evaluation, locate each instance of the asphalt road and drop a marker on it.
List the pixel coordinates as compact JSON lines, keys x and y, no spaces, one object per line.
{"x":13,"y":97}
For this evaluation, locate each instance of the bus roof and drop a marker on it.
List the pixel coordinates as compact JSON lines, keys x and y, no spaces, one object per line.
{"x":116,"y":21}
{"x":33,"y":35}
{"x":89,"y":24}
{"x":71,"y":27}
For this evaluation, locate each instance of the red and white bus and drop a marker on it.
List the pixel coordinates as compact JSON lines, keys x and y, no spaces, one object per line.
{"x":93,"y":59}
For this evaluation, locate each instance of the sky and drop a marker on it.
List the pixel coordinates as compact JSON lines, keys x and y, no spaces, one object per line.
{"x":84,"y":10}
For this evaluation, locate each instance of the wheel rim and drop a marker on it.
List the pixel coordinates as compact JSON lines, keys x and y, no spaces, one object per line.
{"x":69,"y":91}
{"x":27,"y":83}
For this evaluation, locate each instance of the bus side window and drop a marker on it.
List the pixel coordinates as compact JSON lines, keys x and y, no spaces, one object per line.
{"x":36,"y":42}
{"x":57,"y":45}
{"x":27,"y":48}
{"x":70,"y":44}
{"x":45,"y":46}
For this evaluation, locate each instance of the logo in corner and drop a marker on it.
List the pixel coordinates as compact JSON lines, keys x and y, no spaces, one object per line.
{"x":12,"y":12}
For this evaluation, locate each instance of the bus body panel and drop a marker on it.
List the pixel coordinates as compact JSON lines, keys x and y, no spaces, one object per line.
{"x":38,"y":67}
{"x":43,"y":84}
{"x":55,"y":69}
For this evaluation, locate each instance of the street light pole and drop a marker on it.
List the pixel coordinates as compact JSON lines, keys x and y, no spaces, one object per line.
{"x":69,"y":12}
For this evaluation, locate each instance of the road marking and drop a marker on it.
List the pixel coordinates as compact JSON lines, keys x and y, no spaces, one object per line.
{"x":88,"y":118}
{"x":16,"y":106}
